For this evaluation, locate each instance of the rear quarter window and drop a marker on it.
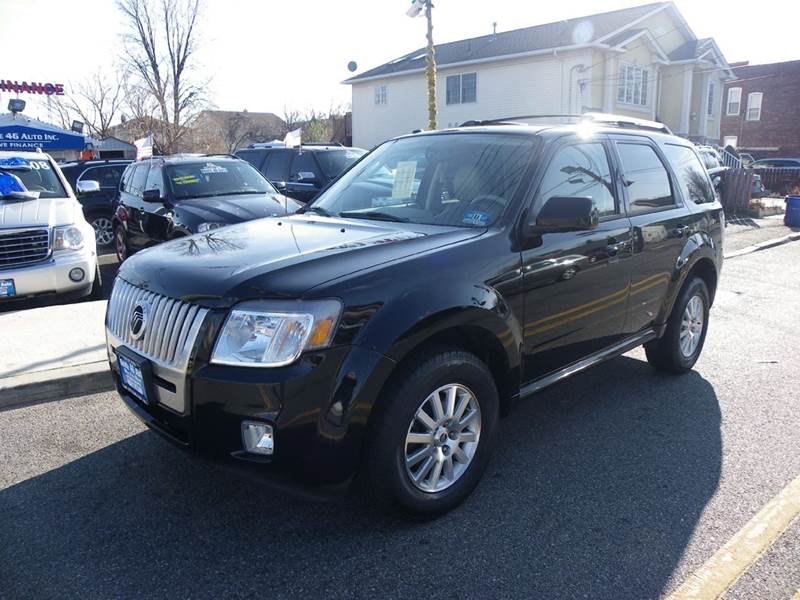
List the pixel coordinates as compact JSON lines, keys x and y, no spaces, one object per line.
{"x":692,"y":177}
{"x":645,"y":178}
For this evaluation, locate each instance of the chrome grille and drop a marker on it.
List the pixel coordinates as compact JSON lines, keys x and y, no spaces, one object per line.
{"x":23,"y":247}
{"x":171,"y":326}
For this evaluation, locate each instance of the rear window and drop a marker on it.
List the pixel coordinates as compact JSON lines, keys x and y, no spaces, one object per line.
{"x":691,"y":176}
{"x":333,"y":162}
{"x":36,"y":176}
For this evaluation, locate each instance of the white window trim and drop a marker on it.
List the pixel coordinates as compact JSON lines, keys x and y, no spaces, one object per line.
{"x":710,"y":99}
{"x":730,"y":101}
{"x":461,"y":88}
{"x":750,"y":98}
{"x":381,"y":95}
{"x":645,"y":89}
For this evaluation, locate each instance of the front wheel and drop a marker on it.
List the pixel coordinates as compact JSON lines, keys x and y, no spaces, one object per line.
{"x":679,"y":348}
{"x":433,"y":435}
{"x":121,"y":243}
{"x":103,"y":230}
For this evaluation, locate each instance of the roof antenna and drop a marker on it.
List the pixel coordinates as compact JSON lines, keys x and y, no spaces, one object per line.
{"x":494,"y":29}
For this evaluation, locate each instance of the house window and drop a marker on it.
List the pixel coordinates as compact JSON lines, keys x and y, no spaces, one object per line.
{"x":710,"y":107}
{"x":754,"y":106}
{"x":380,"y":94}
{"x":633,"y":81}
{"x":730,"y":140}
{"x":734,"y":101}
{"x":462,"y":88}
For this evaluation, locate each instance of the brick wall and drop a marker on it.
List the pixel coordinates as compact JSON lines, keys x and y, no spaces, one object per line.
{"x":779,"y":126}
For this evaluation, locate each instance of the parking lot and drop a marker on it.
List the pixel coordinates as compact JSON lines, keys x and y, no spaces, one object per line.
{"x":618,"y":483}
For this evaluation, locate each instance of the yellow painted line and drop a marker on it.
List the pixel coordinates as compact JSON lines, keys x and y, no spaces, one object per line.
{"x":722,"y":570}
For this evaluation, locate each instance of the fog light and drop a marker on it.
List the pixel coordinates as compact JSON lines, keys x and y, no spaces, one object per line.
{"x":77,"y":274}
{"x":257,"y":437}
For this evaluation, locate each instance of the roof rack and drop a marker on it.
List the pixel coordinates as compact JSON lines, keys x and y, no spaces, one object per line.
{"x":268,"y":145}
{"x":612,"y":120}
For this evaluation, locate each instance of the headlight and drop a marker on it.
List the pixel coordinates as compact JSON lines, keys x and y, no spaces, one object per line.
{"x":273,"y":334}
{"x":67,"y":237}
{"x":203,"y":227}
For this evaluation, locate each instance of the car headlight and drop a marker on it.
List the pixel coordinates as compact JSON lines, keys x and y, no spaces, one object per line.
{"x":204,"y":227}
{"x":67,"y":237}
{"x":273,"y":334}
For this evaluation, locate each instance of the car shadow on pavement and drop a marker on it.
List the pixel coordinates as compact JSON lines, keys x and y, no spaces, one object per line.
{"x":595,"y":490}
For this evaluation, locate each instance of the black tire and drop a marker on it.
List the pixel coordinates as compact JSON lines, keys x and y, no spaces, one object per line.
{"x":387,"y":481}
{"x":121,"y":247}
{"x":665,"y":354}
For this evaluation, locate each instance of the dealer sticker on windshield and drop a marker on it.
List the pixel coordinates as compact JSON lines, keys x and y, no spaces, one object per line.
{"x":476,"y":217}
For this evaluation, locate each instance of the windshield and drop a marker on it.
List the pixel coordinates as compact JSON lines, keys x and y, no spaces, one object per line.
{"x":334,"y":162}
{"x":36,"y":175}
{"x":215,"y":178}
{"x":463,"y":180}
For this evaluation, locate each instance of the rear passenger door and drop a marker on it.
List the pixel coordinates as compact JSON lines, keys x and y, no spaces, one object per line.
{"x":661,"y":225}
{"x":135,"y":206}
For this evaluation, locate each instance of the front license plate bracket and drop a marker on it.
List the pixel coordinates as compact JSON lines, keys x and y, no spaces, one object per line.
{"x":129,"y":362}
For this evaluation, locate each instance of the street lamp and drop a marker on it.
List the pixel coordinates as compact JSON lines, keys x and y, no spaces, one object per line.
{"x":417,"y":6}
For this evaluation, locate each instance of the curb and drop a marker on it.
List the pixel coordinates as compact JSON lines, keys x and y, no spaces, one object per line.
{"x":793,"y":237}
{"x":55,"y":384}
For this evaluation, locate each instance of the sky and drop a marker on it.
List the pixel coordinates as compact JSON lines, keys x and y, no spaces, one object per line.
{"x":264,"y":55}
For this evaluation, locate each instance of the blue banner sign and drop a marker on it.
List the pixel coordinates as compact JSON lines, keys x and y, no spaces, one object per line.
{"x":17,"y":137}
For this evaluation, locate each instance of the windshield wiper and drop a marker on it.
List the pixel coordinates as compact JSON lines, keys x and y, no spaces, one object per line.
{"x":376,"y":215}
{"x":317,"y":209}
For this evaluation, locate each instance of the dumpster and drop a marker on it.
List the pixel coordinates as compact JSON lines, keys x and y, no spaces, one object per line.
{"x":792,"y":216}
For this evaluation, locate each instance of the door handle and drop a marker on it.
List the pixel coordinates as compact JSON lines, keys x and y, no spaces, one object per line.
{"x":680,"y":230}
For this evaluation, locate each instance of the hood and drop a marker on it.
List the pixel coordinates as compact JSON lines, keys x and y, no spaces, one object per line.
{"x":235,"y":209}
{"x":43,"y":212}
{"x":278,"y":257}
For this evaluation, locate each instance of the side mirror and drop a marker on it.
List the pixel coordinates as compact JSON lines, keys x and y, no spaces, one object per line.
{"x":152,"y":196}
{"x":88,"y":186}
{"x":716,"y":181}
{"x":279,"y":185}
{"x":566,"y":213}
{"x":307,"y":177}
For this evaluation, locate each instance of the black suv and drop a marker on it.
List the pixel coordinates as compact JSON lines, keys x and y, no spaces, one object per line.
{"x":97,"y":201}
{"x":167,"y":197}
{"x":383,"y":330}
{"x":300,"y":172}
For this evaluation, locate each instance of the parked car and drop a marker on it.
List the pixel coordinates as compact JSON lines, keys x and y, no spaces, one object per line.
{"x":711,"y":160}
{"x":785,"y":180}
{"x":98,"y":205}
{"x":301,"y":172}
{"x":380,"y":332}
{"x":746,"y":158}
{"x":776,"y":163}
{"x":46,"y":245}
{"x":168,"y":197}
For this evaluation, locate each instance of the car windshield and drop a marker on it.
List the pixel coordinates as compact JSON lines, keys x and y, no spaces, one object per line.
{"x":36,"y":175}
{"x":215,"y":178}
{"x":334,"y":162}
{"x":464,"y":180}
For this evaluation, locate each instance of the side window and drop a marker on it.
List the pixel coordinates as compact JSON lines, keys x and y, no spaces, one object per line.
{"x":304,"y":163}
{"x":155,"y":180}
{"x":278,"y":165}
{"x":691,"y":176}
{"x":138,"y":179}
{"x":254,"y":157}
{"x":105,"y":176}
{"x":645,"y":177}
{"x":580,"y":170}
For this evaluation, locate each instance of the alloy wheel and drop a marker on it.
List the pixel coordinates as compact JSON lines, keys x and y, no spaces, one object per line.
{"x":692,"y":324}
{"x":442,"y":438}
{"x":103,"y":231}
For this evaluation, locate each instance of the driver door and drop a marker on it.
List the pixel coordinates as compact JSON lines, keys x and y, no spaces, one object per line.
{"x":576,"y":282}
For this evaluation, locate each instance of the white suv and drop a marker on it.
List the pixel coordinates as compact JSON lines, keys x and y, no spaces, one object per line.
{"x":46,"y":245}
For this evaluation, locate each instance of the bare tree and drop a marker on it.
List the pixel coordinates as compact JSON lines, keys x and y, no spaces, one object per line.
{"x":292,"y":118}
{"x":159,"y":50}
{"x":96,"y":102}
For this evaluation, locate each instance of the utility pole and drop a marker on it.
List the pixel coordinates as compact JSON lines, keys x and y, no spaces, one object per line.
{"x":417,"y":6}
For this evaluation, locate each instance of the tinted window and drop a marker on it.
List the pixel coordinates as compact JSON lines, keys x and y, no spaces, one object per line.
{"x":107,"y":177}
{"x":215,"y":178}
{"x":336,"y":161}
{"x":645,"y":178}
{"x":278,"y":165}
{"x":304,"y":163}
{"x":138,"y":179}
{"x":254,"y":157}
{"x":581,"y":170}
{"x":125,"y":182}
{"x":461,"y":180}
{"x":691,"y":176}
{"x":155,"y":180}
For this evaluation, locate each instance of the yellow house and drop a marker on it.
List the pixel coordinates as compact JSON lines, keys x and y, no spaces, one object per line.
{"x":643,"y":61}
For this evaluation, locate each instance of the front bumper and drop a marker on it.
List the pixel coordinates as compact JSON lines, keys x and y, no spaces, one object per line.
{"x":318,"y":407}
{"x":52,"y":275}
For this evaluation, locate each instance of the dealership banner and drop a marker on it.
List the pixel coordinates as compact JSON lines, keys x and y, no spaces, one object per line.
{"x":23,"y":87}
{"x":17,"y":137}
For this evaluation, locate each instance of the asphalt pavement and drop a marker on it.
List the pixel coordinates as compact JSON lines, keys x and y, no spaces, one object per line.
{"x":618,"y":483}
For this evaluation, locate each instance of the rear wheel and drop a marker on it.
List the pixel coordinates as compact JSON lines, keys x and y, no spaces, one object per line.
{"x":680,"y":347}
{"x":121,"y":243}
{"x":430,"y":444}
